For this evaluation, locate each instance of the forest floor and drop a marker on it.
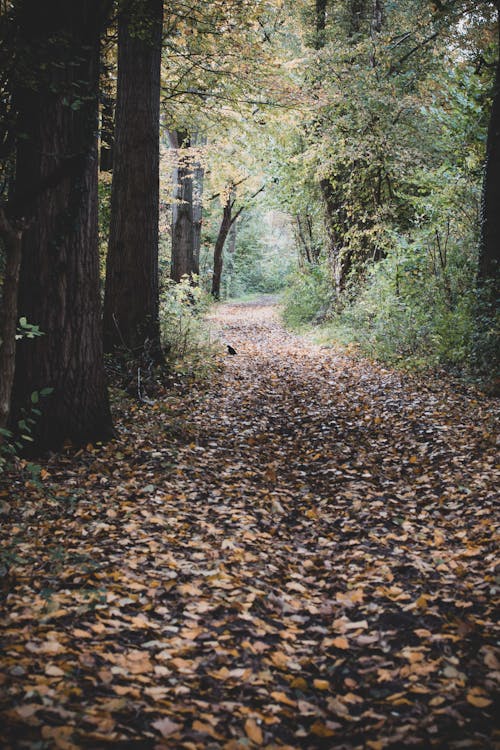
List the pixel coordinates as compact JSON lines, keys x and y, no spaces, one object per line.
{"x":300,"y":556}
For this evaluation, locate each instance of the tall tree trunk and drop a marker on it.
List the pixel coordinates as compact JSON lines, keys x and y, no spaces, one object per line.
{"x":183,"y":261}
{"x":198,"y":180}
{"x":131,"y":301}
{"x":12,"y":241}
{"x":489,"y":248}
{"x":56,"y":99}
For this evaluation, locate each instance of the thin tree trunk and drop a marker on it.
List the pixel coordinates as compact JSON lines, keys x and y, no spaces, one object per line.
{"x":226,"y":223}
{"x":183,"y":261}
{"x":12,"y":240}
{"x":228,"y":219}
{"x":302,"y":240}
{"x":131,"y":301}
{"x":56,"y":192}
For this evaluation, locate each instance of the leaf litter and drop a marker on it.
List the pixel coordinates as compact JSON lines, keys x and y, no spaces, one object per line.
{"x":301,"y":556}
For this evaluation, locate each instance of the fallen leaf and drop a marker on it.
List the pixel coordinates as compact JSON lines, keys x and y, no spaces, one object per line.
{"x":166,"y":726}
{"x":254,"y":732}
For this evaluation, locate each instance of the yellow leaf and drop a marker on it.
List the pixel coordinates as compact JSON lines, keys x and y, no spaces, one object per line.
{"x":421,"y":602}
{"x":340,"y":642}
{"x":321,"y":684}
{"x":279,"y":659}
{"x":438,"y":538}
{"x":477,"y":699}
{"x":438,"y":700}
{"x":205,"y":728}
{"x":321,"y":730}
{"x":220,"y":674}
{"x":253,"y":731}
{"x":350,"y":598}
{"x":299,"y":683}
{"x":282,"y":698}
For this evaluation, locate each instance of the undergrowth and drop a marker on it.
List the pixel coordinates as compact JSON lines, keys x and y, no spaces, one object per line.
{"x":403,"y":315}
{"x":186,"y":338}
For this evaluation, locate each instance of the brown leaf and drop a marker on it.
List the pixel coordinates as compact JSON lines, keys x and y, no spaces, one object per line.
{"x":254,"y":732}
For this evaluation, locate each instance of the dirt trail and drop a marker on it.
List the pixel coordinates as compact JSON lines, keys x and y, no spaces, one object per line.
{"x":301,"y":557}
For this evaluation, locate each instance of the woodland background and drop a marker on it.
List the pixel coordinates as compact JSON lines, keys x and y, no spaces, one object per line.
{"x":344,"y":152}
{"x":267,"y":522}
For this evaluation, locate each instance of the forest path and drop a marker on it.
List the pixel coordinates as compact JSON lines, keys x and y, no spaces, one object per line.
{"x":300,"y":557}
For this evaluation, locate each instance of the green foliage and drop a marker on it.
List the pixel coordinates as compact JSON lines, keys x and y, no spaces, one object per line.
{"x":262,"y":256}
{"x":389,"y":161}
{"x":410,"y":312}
{"x":185,"y":335}
{"x":486,"y":335}
{"x":27,"y":330}
{"x":104,"y":218}
{"x":12,"y":443}
{"x":308,"y":296}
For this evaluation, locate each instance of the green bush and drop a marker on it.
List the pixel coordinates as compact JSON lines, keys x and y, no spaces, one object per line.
{"x":308,"y":296}
{"x":410,"y":311}
{"x":185,"y":335}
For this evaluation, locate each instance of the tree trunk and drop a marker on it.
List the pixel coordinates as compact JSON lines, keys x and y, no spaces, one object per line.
{"x":303,"y":244}
{"x":489,"y":248}
{"x":227,"y":221}
{"x":56,"y":192}
{"x":320,"y":18}
{"x":198,"y":180}
{"x":183,"y":261}
{"x":357,"y":13}
{"x":12,"y":240}
{"x":131,"y":301}
{"x":336,"y":226}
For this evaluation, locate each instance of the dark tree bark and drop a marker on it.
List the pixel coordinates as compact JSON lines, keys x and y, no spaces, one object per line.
{"x":320,"y":18}
{"x":56,"y":100}
{"x":183,"y":253}
{"x":228,"y":220}
{"x":12,"y":242}
{"x":131,"y":299}
{"x":489,"y":248}
{"x":357,"y":13}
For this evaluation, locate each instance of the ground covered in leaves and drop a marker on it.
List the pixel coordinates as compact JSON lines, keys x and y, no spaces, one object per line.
{"x":301,"y":556}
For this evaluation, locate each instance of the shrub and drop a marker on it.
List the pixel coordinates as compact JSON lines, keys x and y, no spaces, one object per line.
{"x":308,"y":296}
{"x":185,"y":335}
{"x":408,"y":311}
